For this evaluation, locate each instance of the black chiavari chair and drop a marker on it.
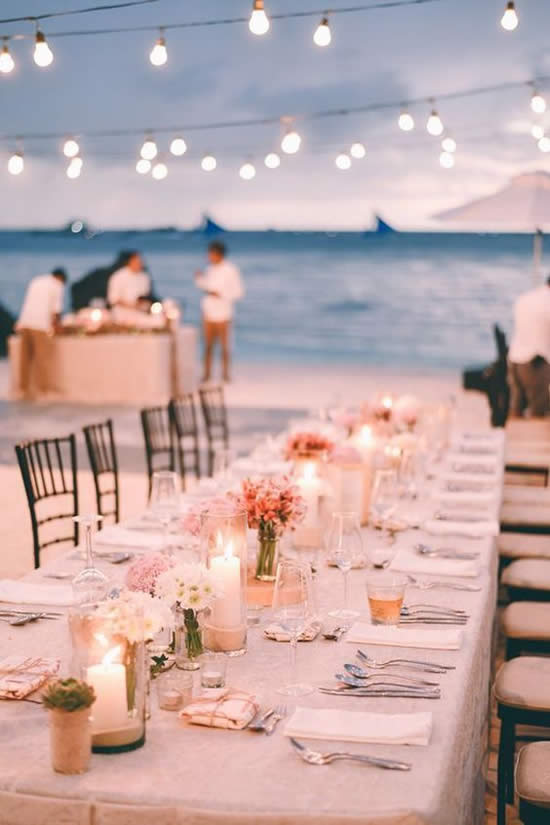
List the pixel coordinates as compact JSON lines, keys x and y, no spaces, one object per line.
{"x":100,"y":444}
{"x":48,"y":468}
{"x":158,"y":433}
{"x":215,"y":420}
{"x":183,"y":417}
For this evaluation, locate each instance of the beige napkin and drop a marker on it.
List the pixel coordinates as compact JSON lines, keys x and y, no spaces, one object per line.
{"x":21,"y":675}
{"x":279,"y":634}
{"x":409,"y":561}
{"x":429,"y":638}
{"x":480,"y":500}
{"x":26,"y":592}
{"x":233,"y":710}
{"x":469,"y":481}
{"x":463,"y":463}
{"x":472,"y":529}
{"x":360,"y":726}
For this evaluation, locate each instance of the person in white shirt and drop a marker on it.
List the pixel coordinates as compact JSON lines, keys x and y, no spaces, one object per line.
{"x":37,"y":324}
{"x":222,"y":283}
{"x":529,"y":354}
{"x":130,"y":286}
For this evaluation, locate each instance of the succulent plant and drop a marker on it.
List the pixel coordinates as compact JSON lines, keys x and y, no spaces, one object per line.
{"x":68,"y":694}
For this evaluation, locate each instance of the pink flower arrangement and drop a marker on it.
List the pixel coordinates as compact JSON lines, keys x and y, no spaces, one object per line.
{"x":273,"y":505}
{"x":142,"y":574}
{"x":307,"y":442}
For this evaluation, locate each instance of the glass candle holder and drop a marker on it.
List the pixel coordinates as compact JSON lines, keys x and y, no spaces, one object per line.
{"x":109,"y":654}
{"x":213,"y":670}
{"x":224,"y":548}
{"x":174,"y":690}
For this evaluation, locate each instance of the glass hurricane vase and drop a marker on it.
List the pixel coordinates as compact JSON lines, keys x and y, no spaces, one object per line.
{"x":188,"y":639}
{"x":267,"y":556}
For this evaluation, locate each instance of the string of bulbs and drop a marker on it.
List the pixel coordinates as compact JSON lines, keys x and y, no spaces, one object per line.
{"x":259,"y":24}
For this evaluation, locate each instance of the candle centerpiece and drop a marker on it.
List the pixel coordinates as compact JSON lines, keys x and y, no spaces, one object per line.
{"x":306,"y":448}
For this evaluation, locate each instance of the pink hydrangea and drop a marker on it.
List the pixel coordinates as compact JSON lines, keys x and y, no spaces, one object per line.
{"x":143,"y":573}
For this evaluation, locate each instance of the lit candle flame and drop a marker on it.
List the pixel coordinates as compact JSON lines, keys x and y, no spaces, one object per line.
{"x":111,"y":656}
{"x":366,"y":435}
{"x":310,"y":471}
{"x":228,"y":552}
{"x":387,"y":402}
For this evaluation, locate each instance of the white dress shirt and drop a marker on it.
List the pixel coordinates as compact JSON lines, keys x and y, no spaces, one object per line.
{"x":225,"y":279}
{"x":531,"y":326}
{"x":43,"y":301}
{"x":127,"y":287}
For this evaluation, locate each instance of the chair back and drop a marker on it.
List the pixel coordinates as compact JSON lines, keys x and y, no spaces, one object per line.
{"x":48,"y":469}
{"x":183,"y":417}
{"x":215,"y":420}
{"x":100,"y":444}
{"x":158,"y":434}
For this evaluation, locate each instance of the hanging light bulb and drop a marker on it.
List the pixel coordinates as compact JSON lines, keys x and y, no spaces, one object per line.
{"x":158,"y":54}
{"x":322,"y":35}
{"x":71,"y":148}
{"x":358,"y":151}
{"x":343,"y":161}
{"x":74,"y":168}
{"x":406,"y":121}
{"x":149,"y":149}
{"x":43,"y":55}
{"x":537,"y":131}
{"x":434,"y":124}
{"x":448,"y":144}
{"x":247,"y":171}
{"x":509,"y":19}
{"x":544,"y":144}
{"x":259,"y":21}
{"x":159,"y":170}
{"x":6,"y":60}
{"x":291,"y":141}
{"x":272,"y":160}
{"x":538,"y":103}
{"x":16,"y":164}
{"x":178,"y":146}
{"x":208,"y":163}
{"x":447,"y":160}
{"x":143,"y":166}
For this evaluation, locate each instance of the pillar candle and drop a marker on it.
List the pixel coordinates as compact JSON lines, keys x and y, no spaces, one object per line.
{"x":226,"y":570}
{"x":110,"y":709}
{"x":310,"y":489}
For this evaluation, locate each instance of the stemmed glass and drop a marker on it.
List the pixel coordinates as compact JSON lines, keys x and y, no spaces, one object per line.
{"x":222,"y":470}
{"x":90,"y":585}
{"x":345,"y":545}
{"x":165,"y":500}
{"x":294,"y":608}
{"x":383,"y":502}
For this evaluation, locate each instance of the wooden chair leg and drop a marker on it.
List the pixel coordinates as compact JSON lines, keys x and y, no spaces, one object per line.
{"x":503,"y":776}
{"x":510,"y":758}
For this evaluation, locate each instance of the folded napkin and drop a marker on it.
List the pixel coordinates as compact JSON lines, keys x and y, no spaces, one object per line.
{"x":279,"y":634}
{"x":455,"y":482}
{"x":495,"y":436}
{"x":116,"y":535}
{"x":26,"y":592}
{"x":233,"y":710}
{"x":429,"y":638}
{"x":460,"y":463}
{"x":360,"y":726}
{"x":480,"y":500}
{"x":409,"y":561}
{"x":21,"y":675}
{"x":472,"y":529}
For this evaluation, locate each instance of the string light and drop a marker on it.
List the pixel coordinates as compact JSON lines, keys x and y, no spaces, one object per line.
{"x":43,"y":55}
{"x":538,"y":103}
{"x":291,"y":141}
{"x":448,"y":144}
{"x":159,"y":54}
{"x":406,"y":121}
{"x":6,"y":60}
{"x":247,"y":171}
{"x":322,"y":35}
{"x":544,"y":144}
{"x":358,"y":151}
{"x":509,"y":20}
{"x":71,"y":148}
{"x":272,"y":160}
{"x":16,"y":164}
{"x":159,"y":171}
{"x":143,"y":166}
{"x":149,"y":149}
{"x":343,"y":161}
{"x":178,"y":147}
{"x":447,"y":160}
{"x":537,"y":131}
{"x":74,"y":168}
{"x":259,"y":21}
{"x":208,"y":163}
{"x":434,"y":124}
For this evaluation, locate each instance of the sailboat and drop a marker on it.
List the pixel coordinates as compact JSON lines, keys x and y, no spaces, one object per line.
{"x":209,"y":227}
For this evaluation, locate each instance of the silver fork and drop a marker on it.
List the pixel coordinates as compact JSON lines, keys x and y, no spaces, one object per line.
{"x":443,"y":585}
{"x":259,"y":722}
{"x":275,"y":718}
{"x":318,"y":758}
{"x":416,"y":664}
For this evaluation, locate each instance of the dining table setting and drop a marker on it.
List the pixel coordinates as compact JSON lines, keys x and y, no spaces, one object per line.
{"x":306,"y":637}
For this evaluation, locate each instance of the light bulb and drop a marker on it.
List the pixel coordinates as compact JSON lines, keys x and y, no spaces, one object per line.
{"x":343,"y":161}
{"x":406,"y":121}
{"x":208,"y":163}
{"x":149,"y":149}
{"x":537,"y":131}
{"x":544,"y":144}
{"x":448,"y":144}
{"x":143,"y":166}
{"x":272,"y":160}
{"x":509,"y":19}
{"x":178,"y":146}
{"x":259,"y":21}
{"x":43,"y":55}
{"x":159,"y":55}
{"x":447,"y":160}
{"x":16,"y":164}
{"x":74,"y":168}
{"x":71,"y":148}
{"x":538,"y":103}
{"x":6,"y":60}
{"x":434,"y":124}
{"x":159,"y":171}
{"x":247,"y":171}
{"x":322,"y":35}
{"x":358,"y":151}
{"x":291,"y":142}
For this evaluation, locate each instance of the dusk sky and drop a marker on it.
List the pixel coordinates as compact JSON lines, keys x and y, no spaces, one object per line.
{"x":226,"y":73}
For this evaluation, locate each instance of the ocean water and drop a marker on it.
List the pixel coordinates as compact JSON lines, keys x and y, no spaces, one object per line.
{"x":413,"y":300}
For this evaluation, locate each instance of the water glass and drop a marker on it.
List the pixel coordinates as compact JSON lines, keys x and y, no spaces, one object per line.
{"x":222,"y":468}
{"x":165,"y":499}
{"x":294,"y":609}
{"x":385,"y":594}
{"x":384,"y":497}
{"x":174,"y":689}
{"x":344,"y":544}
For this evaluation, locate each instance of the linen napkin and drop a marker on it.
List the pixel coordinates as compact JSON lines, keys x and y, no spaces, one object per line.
{"x":233,"y":710}
{"x":360,"y":726}
{"x":409,"y":561}
{"x":472,"y":529}
{"x":116,"y":535}
{"x":456,"y":481}
{"x":279,"y":634}
{"x":25,"y":592}
{"x":429,"y":638}
{"x":467,"y":499}
{"x":460,"y":463}
{"x":21,"y":675}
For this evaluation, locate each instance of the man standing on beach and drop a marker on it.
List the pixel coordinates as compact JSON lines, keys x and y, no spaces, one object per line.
{"x":37,"y":324}
{"x":130,"y":286}
{"x":529,"y":354}
{"x":222,"y":283}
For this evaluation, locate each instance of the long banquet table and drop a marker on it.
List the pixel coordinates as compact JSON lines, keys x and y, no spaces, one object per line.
{"x":188,"y":775}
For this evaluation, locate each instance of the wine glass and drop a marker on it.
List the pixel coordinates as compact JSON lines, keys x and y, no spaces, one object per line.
{"x":222,"y":470}
{"x":165,"y":500}
{"x":90,"y":585}
{"x":383,"y":502}
{"x":345,"y":546}
{"x":293,"y":607}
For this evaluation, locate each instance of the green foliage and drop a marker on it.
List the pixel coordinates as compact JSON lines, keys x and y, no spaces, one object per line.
{"x":69,"y":695}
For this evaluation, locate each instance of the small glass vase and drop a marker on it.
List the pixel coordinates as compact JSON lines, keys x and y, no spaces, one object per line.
{"x":267,"y":557}
{"x":189,"y":645}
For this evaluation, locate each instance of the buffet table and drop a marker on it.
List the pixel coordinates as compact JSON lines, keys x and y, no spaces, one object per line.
{"x":125,"y":368}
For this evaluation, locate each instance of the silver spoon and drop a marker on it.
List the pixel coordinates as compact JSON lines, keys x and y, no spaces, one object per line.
{"x":352,"y":682}
{"x":359,"y":673}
